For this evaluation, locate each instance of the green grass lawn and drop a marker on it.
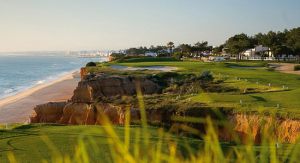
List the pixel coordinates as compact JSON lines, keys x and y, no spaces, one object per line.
{"x":33,"y":143}
{"x":27,"y":143}
{"x":284,"y":89}
{"x":50,"y":143}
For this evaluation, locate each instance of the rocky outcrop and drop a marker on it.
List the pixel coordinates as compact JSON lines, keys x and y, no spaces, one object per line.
{"x":255,"y":126}
{"x":83,"y":73}
{"x":78,"y":114}
{"x":83,"y":109}
{"x":241,"y":126}
{"x":107,"y":86}
{"x":92,"y":114}
{"x":48,"y":113}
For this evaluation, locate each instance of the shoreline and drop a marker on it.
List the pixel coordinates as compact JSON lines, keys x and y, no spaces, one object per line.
{"x":29,"y":91}
{"x":17,"y":108}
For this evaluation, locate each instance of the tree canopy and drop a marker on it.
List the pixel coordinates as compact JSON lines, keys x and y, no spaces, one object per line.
{"x":285,"y":42}
{"x":238,"y":43}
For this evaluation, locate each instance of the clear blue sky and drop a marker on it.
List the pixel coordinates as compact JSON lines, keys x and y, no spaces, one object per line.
{"x":27,"y":25}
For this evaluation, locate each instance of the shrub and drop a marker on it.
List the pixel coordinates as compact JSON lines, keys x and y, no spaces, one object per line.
{"x":167,"y":75}
{"x":206,"y":76}
{"x":177,"y":55}
{"x":297,"y":68}
{"x":91,"y":64}
{"x":117,"y":56}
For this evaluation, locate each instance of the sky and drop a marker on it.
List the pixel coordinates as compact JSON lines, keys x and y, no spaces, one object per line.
{"x":49,"y":25}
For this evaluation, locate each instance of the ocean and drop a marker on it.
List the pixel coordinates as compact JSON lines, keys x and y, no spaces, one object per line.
{"x":21,"y":71}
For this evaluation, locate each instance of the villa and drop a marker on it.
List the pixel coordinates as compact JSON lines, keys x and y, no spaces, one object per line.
{"x":151,"y":54}
{"x":258,"y":53}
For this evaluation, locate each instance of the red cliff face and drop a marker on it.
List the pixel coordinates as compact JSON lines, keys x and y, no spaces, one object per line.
{"x":82,"y":113}
{"x":109,"y":86}
{"x":48,"y":113}
{"x":243,"y":126}
{"x":83,"y":73}
{"x":84,"y":108}
{"x":255,"y":126}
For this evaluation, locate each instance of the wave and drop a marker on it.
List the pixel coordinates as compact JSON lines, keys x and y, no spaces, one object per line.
{"x":40,"y":82}
{"x":73,"y":63}
{"x":35,"y":70}
{"x":8,"y":91}
{"x":13,"y":91}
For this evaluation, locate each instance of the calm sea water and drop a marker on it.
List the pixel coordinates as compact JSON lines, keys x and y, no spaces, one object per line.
{"x":19,"y":72}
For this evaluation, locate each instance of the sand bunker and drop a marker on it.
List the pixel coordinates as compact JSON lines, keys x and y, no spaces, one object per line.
{"x":285,"y":68}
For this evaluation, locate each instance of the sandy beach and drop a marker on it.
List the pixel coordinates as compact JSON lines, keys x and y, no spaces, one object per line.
{"x":18,"y":108}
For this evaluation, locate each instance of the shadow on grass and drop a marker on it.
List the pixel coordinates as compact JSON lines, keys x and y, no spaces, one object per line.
{"x":261,"y":99}
{"x":30,"y":126}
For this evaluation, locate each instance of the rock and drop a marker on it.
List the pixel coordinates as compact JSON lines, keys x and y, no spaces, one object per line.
{"x":108,"y":86}
{"x":288,"y":130}
{"x":253,"y":126}
{"x":78,"y":114}
{"x":48,"y":113}
{"x":83,"y":73}
{"x":108,"y":110}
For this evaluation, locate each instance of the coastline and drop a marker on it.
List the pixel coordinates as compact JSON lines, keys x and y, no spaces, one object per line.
{"x":17,"y":108}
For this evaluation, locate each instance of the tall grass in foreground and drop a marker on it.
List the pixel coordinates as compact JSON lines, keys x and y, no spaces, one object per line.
{"x":139,"y":147}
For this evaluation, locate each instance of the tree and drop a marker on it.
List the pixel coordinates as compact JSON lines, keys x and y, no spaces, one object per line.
{"x":218,"y":49}
{"x":200,"y":47}
{"x":91,"y":64}
{"x":177,"y":55}
{"x":280,"y":49}
{"x":275,"y":41}
{"x":293,"y":41}
{"x":184,"y":49}
{"x":136,"y":51}
{"x":238,"y":44}
{"x":170,"y":46}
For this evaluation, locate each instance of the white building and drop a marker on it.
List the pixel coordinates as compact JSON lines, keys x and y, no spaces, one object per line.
{"x":151,"y":54}
{"x":258,"y":53}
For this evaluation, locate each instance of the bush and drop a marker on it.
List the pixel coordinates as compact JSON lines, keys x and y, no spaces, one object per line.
{"x":297,"y":68}
{"x":91,"y":64}
{"x":177,"y":55}
{"x":117,"y":56}
{"x":206,"y":76}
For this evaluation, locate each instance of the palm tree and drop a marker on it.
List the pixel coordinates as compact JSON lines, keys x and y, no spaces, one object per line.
{"x":170,"y":46}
